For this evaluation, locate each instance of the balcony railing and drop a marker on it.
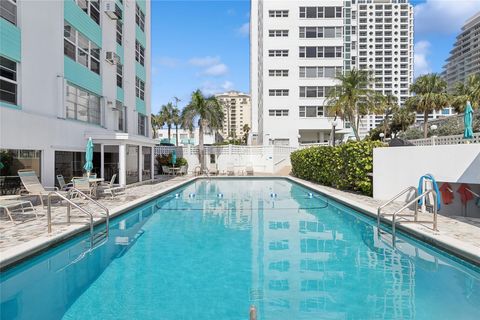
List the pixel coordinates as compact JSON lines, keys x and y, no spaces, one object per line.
{"x":446,"y":140}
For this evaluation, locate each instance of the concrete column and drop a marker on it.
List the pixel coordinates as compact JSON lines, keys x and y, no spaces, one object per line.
{"x":102,"y":160}
{"x":152,"y":164}
{"x":122,"y":165}
{"x":48,"y":167}
{"x":140,"y":163}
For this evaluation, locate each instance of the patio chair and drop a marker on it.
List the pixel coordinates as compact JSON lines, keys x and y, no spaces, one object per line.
{"x":183,"y":170}
{"x":166,"y":170}
{"x":213,"y":170}
{"x":249,"y":170}
{"x":197,"y":171}
{"x":63,"y":185}
{"x":33,"y":186}
{"x":13,"y":205}
{"x":230,"y":170}
{"x":83,"y":185}
{"x":111,"y":188}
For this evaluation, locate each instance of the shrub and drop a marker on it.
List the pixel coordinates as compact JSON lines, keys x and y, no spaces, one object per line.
{"x":345,"y":167}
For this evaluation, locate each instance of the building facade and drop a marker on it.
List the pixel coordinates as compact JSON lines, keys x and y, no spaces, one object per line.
{"x":237,"y":108}
{"x":464,"y":58}
{"x":298,"y":48}
{"x":71,"y":70}
{"x":185,"y":137}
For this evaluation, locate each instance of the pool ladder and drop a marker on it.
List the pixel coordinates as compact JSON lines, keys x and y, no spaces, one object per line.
{"x":96,"y":239}
{"x":414,"y":201}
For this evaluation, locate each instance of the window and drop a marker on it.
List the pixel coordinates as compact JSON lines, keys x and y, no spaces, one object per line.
{"x":311,"y":111}
{"x":278,"y":13}
{"x":320,"y":72}
{"x":320,"y":52}
{"x":119,"y":31}
{"x":278,"y":112}
{"x":278,"y":73}
{"x":142,"y":125}
{"x":8,"y":80}
{"x":121,"y":116}
{"x":8,"y":10}
{"x":140,"y":17}
{"x":140,"y":88}
{"x":139,"y":53}
{"x":278,"y":92}
{"x":90,"y":7}
{"x":314,"y":92}
{"x":77,"y":47}
{"x":278,"y":53}
{"x":119,"y":75}
{"x":320,"y":32}
{"x":320,"y":12}
{"x":278,"y":33}
{"x":82,"y":105}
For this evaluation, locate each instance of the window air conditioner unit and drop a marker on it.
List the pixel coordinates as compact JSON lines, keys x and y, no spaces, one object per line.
{"x":112,"y":57}
{"x":110,"y":9}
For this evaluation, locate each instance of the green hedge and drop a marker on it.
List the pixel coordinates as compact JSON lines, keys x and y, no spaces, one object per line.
{"x":344,"y":167}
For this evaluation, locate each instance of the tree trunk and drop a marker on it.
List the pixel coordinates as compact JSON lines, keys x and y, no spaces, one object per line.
{"x":201,"y":154}
{"x":176,"y":132}
{"x":354,"y":125}
{"x":425,"y":124}
{"x":169,"y":129}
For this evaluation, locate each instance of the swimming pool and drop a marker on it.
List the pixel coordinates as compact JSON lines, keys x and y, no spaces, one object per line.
{"x":212,"y":248}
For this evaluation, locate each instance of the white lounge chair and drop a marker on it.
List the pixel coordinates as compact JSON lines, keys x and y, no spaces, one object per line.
{"x":113,"y":189}
{"x":33,"y":186}
{"x":230,"y":170}
{"x":63,"y":185}
{"x":13,"y":205}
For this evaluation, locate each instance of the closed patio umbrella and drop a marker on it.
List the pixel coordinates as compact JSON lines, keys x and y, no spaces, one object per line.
{"x":468,"y":122}
{"x":89,"y":157}
{"x":1,"y":165}
{"x":174,"y":157}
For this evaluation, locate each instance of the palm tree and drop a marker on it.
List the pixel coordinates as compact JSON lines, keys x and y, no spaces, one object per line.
{"x":166,"y":112}
{"x":157,"y":122}
{"x":176,"y":119}
{"x":468,"y":91}
{"x":401,"y":120}
{"x":353,"y":98}
{"x":390,"y":107}
{"x":246,"y":131}
{"x":207,"y":112}
{"x":430,"y":94}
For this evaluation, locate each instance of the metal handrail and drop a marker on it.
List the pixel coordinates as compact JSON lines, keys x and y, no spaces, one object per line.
{"x":379,"y":214}
{"x":70,"y":202}
{"x":107,"y":212}
{"x":423,"y":195}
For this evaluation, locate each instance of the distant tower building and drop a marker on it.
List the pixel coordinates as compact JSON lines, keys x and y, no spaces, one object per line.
{"x":299,"y":47}
{"x":464,"y":58}
{"x":237,"y":108}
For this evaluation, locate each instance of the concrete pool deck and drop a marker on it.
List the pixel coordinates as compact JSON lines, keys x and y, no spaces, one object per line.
{"x":457,"y":235}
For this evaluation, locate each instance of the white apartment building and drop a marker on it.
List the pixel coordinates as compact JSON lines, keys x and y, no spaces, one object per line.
{"x":185,"y":137}
{"x":297,"y":49}
{"x":464,"y":58}
{"x":237,"y":108}
{"x":71,"y":70}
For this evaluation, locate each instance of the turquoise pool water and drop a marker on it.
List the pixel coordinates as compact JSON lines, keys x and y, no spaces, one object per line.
{"x":220,"y":246}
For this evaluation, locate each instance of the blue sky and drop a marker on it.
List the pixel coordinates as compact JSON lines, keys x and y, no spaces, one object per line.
{"x":205,"y":44}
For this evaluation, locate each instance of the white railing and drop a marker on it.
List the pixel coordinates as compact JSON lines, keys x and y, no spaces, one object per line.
{"x":445,"y":140}
{"x":318,"y":144}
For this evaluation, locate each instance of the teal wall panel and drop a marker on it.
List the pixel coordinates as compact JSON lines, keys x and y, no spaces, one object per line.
{"x":120,"y":52}
{"x":10,"y":40}
{"x":140,"y":35}
{"x":140,"y":71}
{"x":143,"y":5}
{"x":120,"y":94}
{"x":141,"y":106}
{"x":82,"y":22}
{"x":82,"y":76}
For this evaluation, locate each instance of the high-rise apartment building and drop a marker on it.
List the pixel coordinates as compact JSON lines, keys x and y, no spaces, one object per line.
{"x":464,"y":58}
{"x":71,"y":70}
{"x":298,"y":48}
{"x":237,"y":109}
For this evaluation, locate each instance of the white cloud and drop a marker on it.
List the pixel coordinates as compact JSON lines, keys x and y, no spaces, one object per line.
{"x":167,"y":62}
{"x":444,"y":16}
{"x":422,"y":50}
{"x":216,"y":70}
{"x":204,"y":61}
{"x":244,"y":30}
{"x":210,"y":88}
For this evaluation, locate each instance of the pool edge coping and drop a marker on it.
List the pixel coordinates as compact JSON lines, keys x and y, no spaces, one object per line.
{"x":16,"y":255}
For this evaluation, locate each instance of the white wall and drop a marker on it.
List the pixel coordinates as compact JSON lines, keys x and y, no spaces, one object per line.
{"x":395,"y":169}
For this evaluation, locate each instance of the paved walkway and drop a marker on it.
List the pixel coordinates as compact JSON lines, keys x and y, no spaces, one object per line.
{"x":457,"y":232}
